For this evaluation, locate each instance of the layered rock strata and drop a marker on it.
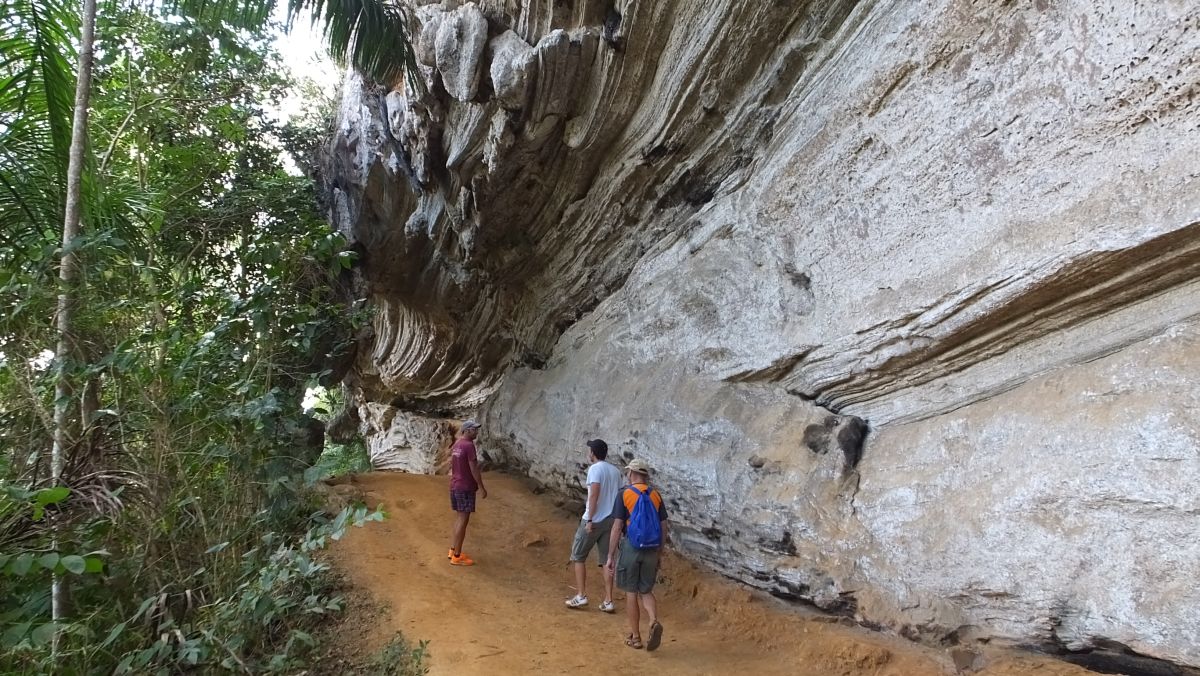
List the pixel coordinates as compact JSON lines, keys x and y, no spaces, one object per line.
{"x":899,"y":298}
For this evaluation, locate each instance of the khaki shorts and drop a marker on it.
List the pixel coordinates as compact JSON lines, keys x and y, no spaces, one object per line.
{"x":584,"y":541}
{"x":637,"y":569}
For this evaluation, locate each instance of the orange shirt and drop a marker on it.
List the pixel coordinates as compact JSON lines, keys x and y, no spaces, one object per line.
{"x":628,"y":498}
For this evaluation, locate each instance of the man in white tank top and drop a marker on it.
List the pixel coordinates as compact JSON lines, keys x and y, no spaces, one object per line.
{"x":603,"y":484}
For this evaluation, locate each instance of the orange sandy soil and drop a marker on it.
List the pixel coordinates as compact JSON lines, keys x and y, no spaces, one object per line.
{"x":506,"y":615}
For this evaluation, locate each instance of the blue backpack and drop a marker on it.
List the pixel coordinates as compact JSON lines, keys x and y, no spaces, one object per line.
{"x":644,"y":530}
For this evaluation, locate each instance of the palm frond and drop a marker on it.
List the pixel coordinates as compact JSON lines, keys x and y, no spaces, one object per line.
{"x":241,"y":14}
{"x":37,"y":90}
{"x":55,"y":28}
{"x":37,"y":44}
{"x":371,"y":35}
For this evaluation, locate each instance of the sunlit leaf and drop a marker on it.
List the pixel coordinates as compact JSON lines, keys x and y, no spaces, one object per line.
{"x":52,"y":496}
{"x":74,"y":564}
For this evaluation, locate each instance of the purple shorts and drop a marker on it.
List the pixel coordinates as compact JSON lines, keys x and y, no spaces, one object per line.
{"x":462,"y":501}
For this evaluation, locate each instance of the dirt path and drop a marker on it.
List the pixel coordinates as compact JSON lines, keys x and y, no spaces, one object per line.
{"x":506,"y":614}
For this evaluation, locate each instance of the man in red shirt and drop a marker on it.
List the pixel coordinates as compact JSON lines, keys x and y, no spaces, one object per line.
{"x":465,"y":480}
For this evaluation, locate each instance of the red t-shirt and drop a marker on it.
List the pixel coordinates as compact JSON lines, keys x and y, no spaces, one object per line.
{"x":462,"y":454}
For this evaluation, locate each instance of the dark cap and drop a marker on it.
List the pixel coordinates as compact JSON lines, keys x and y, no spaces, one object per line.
{"x":598,"y":447}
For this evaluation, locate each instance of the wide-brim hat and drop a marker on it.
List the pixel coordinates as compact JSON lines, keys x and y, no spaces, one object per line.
{"x":638,"y":465}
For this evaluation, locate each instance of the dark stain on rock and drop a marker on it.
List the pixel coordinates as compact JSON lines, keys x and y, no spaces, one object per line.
{"x":656,"y":152}
{"x":846,"y":605}
{"x":1128,"y":664}
{"x":699,"y":194}
{"x":612,"y":22}
{"x":532,"y":360}
{"x":790,"y":591}
{"x":712,"y":533}
{"x":1113,"y":657}
{"x":846,"y":433}
{"x":851,"y":435}
{"x":692,"y":189}
{"x":799,"y":279}
{"x":784,"y":545}
{"x":817,"y":436}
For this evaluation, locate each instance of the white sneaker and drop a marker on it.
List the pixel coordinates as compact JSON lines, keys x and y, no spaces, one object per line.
{"x":577,"y":601}
{"x":608,"y":607}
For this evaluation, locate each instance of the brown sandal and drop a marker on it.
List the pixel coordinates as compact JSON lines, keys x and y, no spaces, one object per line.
{"x":634,"y":642}
{"x":656,"y":631}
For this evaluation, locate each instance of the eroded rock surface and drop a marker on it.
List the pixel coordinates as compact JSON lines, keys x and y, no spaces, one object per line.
{"x":400,"y":441}
{"x":899,"y":297}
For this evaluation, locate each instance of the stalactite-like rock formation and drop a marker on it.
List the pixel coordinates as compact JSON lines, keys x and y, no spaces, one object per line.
{"x":898,"y":297}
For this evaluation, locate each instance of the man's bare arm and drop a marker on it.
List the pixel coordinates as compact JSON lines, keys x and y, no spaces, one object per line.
{"x":614,"y":541}
{"x":593,"y":498}
{"x":478,"y":478}
{"x":665,"y":539}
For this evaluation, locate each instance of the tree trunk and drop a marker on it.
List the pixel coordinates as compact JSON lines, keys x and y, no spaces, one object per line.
{"x":68,"y":272}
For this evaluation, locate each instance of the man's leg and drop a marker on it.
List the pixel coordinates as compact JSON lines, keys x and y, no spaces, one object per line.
{"x":648,"y":576}
{"x":580,"y":545}
{"x":651,"y":606}
{"x":631,"y":612}
{"x":608,"y":585}
{"x":602,"y":558}
{"x":580,"y":578}
{"x":460,"y":531}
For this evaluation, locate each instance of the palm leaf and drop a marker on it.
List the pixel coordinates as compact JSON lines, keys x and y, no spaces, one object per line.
{"x":37,"y":89}
{"x":55,"y":26}
{"x":242,"y":14}
{"x":371,"y":35}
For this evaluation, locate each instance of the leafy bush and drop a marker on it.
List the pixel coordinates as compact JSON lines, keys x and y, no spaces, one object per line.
{"x":180,"y":525}
{"x":399,"y":658}
{"x":339,"y":459}
{"x":265,"y":625}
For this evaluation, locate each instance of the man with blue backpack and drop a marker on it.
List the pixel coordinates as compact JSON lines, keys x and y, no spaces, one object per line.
{"x":641,"y":515}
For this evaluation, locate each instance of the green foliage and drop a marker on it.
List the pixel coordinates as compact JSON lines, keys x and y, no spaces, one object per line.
{"x":265,"y":625}
{"x":372,"y":35}
{"x":182,"y":521}
{"x":336,"y":458}
{"x":399,"y":658}
{"x":36,"y":98}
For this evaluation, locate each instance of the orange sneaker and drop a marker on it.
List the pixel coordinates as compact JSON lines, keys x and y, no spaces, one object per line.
{"x":461,"y":560}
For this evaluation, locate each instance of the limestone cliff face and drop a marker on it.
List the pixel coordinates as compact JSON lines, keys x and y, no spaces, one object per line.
{"x":737,"y":238}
